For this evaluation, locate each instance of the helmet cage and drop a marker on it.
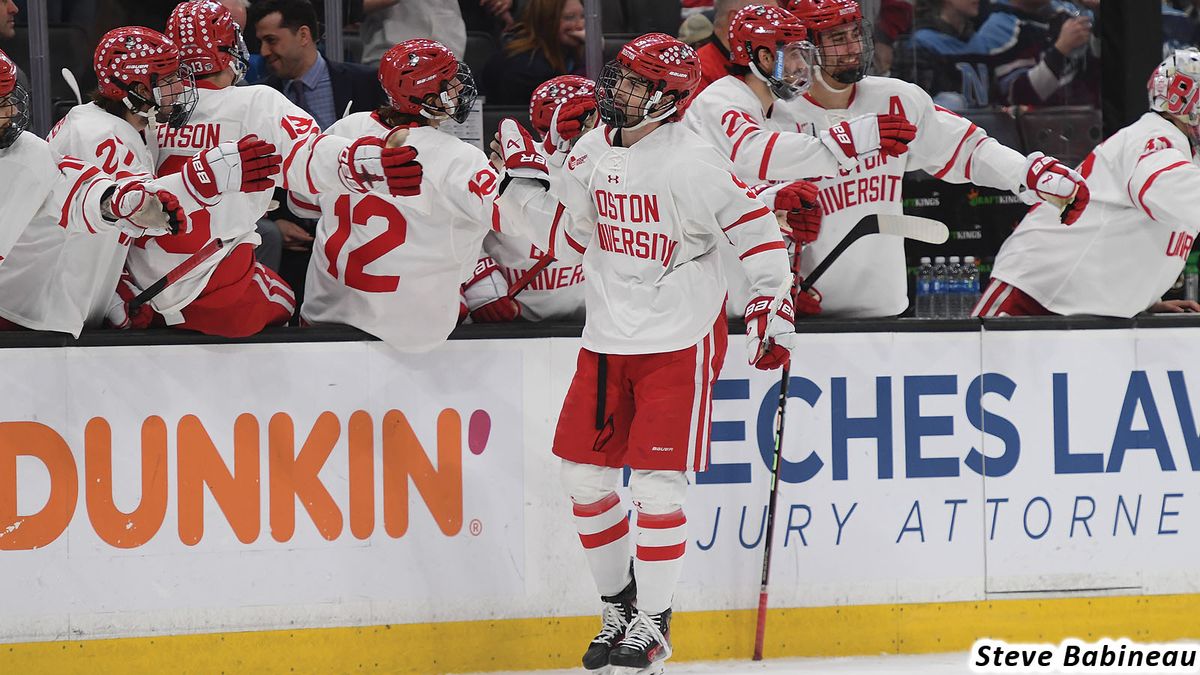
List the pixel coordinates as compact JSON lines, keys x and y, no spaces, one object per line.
{"x":15,"y":118}
{"x":171,"y":100}
{"x":637,"y":92}
{"x":449,"y":103}
{"x":837,"y":43}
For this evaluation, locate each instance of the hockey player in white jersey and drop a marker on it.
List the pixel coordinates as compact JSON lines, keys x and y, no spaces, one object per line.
{"x":46,"y":193}
{"x":230,"y":293}
{"x":516,"y":278}
{"x":771,"y":62}
{"x":65,"y":280}
{"x":648,"y":204}
{"x":869,"y":280}
{"x":393,"y":266}
{"x":1130,"y":243}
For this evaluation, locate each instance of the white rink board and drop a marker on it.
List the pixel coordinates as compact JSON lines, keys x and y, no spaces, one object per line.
{"x":922,"y":534}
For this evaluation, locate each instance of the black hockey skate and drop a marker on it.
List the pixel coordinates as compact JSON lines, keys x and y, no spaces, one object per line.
{"x":647,"y":643}
{"x":618,"y":612}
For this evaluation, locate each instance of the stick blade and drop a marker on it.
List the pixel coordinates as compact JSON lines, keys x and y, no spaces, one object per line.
{"x":914,"y":227}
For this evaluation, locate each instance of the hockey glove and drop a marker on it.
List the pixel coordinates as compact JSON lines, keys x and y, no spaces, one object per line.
{"x":770,"y":330}
{"x":369,"y":164}
{"x":486,"y":294}
{"x":140,"y":210}
{"x":118,"y":315}
{"x":520,"y":156}
{"x":799,"y":200}
{"x":246,"y":166}
{"x":807,"y":303}
{"x":569,"y":122}
{"x":851,"y":139}
{"x":1049,"y":180}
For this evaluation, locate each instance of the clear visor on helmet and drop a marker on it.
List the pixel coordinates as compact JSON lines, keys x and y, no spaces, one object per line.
{"x":14,"y":115}
{"x":790,"y":73}
{"x":845,"y":52}
{"x":456,"y":99}
{"x":626,"y":100}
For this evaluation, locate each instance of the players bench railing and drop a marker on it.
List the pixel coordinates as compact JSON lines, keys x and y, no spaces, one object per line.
{"x":115,"y":338}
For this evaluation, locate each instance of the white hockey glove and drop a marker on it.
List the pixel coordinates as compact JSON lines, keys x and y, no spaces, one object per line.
{"x":382,"y":165}
{"x":770,"y":330}
{"x":863,"y":135}
{"x":486,"y":295}
{"x":139,"y":209}
{"x":246,"y":166}
{"x":520,"y":156}
{"x":1049,"y":180}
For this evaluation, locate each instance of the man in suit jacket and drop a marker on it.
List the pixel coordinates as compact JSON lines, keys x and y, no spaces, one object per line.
{"x":288,"y":31}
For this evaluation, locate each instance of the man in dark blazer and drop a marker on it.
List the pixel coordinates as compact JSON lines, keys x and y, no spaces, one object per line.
{"x":288,"y":32}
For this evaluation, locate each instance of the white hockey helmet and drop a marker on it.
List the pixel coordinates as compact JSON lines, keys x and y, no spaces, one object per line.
{"x":1174,"y":88}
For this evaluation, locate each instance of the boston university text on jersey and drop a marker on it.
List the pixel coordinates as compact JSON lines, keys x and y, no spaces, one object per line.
{"x":844,"y":194}
{"x":632,"y":209}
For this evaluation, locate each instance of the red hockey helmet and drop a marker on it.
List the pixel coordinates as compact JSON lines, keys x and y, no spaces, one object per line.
{"x":553,"y":93}
{"x":844,"y":48}
{"x":209,"y":39}
{"x":14,"y":103}
{"x":646,"y":69}
{"x":757,"y":27}
{"x":133,"y":56}
{"x":423,"y":77}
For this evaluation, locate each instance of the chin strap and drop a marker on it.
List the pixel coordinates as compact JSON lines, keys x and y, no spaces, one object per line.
{"x":825,"y":83}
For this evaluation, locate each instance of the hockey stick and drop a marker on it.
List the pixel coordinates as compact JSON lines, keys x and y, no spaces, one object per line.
{"x":910,"y":227}
{"x":210,"y":249}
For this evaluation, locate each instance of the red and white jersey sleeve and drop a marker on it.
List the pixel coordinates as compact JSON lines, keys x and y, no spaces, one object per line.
{"x":1132,"y":240}
{"x":870,"y":279}
{"x":392,"y":266}
{"x":651,"y":219}
{"x":63,"y":278}
{"x":729,"y":116}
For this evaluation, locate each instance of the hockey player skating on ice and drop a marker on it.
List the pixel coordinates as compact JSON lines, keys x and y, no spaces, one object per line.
{"x":1130,"y":243}
{"x":393,"y":266}
{"x":648,"y":204}
{"x":63,"y":281}
{"x":48,"y":193}
{"x":870,"y":279}
{"x":740,"y":115}
{"x":567,"y":104}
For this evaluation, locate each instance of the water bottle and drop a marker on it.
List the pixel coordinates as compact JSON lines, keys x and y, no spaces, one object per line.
{"x":971,"y":275}
{"x":954,"y":288}
{"x":925,"y":289}
{"x":940,"y":308}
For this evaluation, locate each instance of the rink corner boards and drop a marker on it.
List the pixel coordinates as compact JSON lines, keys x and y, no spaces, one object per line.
{"x":542,"y":643}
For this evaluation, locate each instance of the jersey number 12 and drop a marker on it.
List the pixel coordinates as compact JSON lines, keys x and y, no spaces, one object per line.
{"x":367,"y":207}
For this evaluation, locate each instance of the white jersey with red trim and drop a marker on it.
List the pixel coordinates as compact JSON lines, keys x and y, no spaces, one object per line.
{"x":555,"y":292}
{"x":63,"y":278}
{"x":392,"y":266}
{"x":869,"y":279}
{"x":221,"y":115}
{"x":48,"y":199}
{"x":649,"y":221}
{"x":1129,"y":244}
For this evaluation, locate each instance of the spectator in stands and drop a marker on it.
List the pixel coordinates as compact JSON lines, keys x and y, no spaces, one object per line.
{"x":8,"y":31}
{"x":893,"y":21}
{"x":487,"y":16}
{"x":289,"y":31}
{"x":387,"y":23}
{"x":1179,"y":28}
{"x":546,"y":43}
{"x":714,"y":53}
{"x":696,"y":30}
{"x":1042,"y":52}
{"x":940,"y":56}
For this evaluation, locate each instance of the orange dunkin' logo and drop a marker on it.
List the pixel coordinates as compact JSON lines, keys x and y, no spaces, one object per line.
{"x":290,"y":476}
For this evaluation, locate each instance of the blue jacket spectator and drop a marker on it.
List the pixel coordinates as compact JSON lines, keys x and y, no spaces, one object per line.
{"x":942,"y":56}
{"x":1042,"y":52}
